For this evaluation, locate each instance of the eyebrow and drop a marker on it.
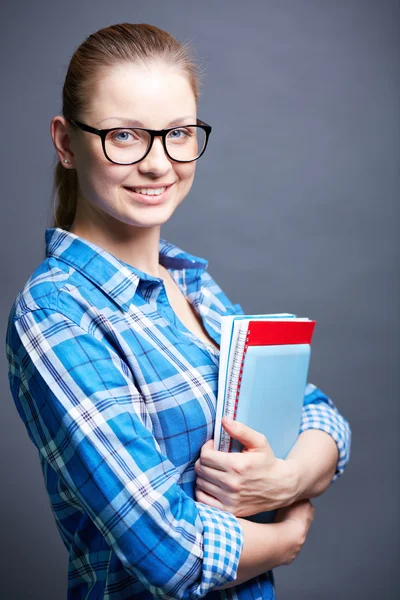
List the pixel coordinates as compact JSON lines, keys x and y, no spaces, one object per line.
{"x":140,"y":124}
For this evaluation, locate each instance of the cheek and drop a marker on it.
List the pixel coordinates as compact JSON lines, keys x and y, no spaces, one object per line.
{"x":102,"y":178}
{"x":97,"y":184}
{"x":186,"y":172}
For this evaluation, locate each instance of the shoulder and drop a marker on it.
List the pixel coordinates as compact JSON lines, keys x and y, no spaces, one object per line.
{"x":55,"y":303}
{"x":54,"y":285}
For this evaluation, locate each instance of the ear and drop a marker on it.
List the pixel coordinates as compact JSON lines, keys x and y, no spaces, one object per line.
{"x":60,"y":131}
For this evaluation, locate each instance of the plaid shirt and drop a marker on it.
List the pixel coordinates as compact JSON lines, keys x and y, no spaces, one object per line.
{"x":118,"y":397}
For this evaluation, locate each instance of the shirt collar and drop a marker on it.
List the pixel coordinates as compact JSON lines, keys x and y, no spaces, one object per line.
{"x":117,"y":278}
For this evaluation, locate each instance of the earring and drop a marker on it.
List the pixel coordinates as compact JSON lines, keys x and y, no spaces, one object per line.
{"x":65,"y":160}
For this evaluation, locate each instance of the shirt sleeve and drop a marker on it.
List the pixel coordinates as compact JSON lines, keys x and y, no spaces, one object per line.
{"x":88,"y":420}
{"x":319,"y":412}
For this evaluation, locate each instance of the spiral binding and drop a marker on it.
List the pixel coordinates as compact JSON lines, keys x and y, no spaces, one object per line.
{"x":235,"y":379}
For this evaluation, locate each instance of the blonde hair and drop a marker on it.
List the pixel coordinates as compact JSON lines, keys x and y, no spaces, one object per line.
{"x":140,"y":43}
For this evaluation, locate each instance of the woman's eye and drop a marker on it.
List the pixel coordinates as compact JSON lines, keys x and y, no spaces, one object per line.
{"x":122,"y":136}
{"x":182,"y":135}
{"x":177,"y":134}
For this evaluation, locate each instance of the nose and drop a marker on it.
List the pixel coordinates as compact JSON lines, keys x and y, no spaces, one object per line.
{"x":157,"y":160}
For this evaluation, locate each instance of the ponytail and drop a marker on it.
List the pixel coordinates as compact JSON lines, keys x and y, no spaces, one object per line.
{"x":66,"y":190}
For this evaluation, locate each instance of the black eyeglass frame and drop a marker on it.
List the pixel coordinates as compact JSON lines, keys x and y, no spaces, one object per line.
{"x":153,"y":133}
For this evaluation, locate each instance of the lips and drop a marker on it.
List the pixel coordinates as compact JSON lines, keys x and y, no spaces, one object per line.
{"x":147,"y":199}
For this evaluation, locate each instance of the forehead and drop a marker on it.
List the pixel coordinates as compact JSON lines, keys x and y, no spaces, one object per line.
{"x":153,"y":94}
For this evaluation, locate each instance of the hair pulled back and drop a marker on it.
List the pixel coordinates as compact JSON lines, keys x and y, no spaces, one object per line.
{"x":138,"y":43}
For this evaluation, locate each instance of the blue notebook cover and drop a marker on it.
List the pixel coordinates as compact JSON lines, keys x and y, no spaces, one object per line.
{"x":272,"y":394}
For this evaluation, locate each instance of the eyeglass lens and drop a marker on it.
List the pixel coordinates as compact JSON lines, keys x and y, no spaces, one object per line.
{"x":125,"y":146}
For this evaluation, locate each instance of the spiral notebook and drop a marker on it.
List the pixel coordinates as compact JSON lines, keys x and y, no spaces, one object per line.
{"x":264,"y":362}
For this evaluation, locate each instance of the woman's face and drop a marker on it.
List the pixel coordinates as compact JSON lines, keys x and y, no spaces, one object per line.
{"x":158,"y":97}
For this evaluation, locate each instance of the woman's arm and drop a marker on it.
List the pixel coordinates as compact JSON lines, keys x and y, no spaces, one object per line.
{"x":314,"y":458}
{"x":83,"y":412}
{"x":322,"y":450}
{"x":267,"y":546}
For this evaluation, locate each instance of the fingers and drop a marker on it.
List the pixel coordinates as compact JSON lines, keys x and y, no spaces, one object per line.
{"x":207,"y":486}
{"x":216,"y":476}
{"x":202,"y":496}
{"x":214,"y":458}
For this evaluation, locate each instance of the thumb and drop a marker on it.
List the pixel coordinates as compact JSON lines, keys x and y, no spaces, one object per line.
{"x":250,"y":438}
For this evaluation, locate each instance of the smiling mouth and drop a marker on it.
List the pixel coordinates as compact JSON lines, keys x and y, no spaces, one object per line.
{"x":150,"y":198}
{"x":163,"y":187}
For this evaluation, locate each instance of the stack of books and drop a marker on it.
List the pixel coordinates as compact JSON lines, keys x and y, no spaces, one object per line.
{"x":263,"y":370}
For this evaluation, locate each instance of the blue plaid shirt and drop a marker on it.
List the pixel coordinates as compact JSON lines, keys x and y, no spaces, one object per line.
{"x":118,"y":397}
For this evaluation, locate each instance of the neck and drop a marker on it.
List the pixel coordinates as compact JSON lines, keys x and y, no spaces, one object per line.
{"x":137,"y":246}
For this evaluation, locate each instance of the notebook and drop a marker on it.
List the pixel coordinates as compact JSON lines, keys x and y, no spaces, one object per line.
{"x":264,"y":362}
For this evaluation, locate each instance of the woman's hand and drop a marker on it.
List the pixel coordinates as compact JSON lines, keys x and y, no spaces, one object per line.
{"x":300,"y":516}
{"x":270,"y":545}
{"x":248,"y":482}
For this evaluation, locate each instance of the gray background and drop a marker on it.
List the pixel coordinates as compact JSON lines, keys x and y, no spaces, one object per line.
{"x":295,"y":205}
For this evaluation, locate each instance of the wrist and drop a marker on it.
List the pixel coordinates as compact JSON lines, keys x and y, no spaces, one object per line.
{"x":287,"y":535}
{"x":290,"y":474}
{"x":297,"y":479}
{"x":281,"y":541}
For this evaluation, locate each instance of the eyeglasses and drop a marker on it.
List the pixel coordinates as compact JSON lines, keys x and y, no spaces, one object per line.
{"x":129,"y":145}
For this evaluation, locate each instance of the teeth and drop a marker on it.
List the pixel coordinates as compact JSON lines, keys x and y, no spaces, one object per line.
{"x":150,"y":191}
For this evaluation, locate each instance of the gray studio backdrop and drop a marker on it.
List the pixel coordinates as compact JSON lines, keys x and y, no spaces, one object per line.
{"x":296,"y":206}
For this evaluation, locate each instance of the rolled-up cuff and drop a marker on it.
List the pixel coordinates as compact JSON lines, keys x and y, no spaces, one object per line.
{"x":223,"y":542}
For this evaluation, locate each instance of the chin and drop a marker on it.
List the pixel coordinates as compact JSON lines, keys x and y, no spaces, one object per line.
{"x":150,"y":216}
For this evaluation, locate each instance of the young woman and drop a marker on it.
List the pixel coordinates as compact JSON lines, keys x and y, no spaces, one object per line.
{"x":113,"y":349}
